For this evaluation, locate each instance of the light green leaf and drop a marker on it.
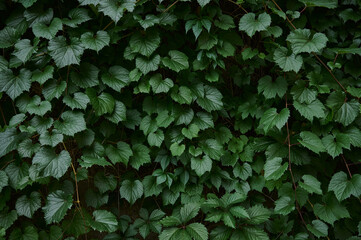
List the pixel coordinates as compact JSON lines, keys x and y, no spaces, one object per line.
{"x":95,"y":42}
{"x":26,"y":206}
{"x":274,"y":169}
{"x":73,"y":122}
{"x":197,"y":230}
{"x":115,"y":9}
{"x":131,"y":190}
{"x":102,"y":104}
{"x":312,"y":142}
{"x":159,"y":85}
{"x":251,"y":25}
{"x":51,"y":139}
{"x":57,"y":204}
{"x":9,"y":140}
{"x":284,"y":206}
{"x":271,"y":118}
{"x":310,"y":110}
{"x":334,"y":144}
{"x":121,"y":153}
{"x":311,"y":184}
{"x":42,"y":30}
{"x":258,"y":214}
{"x":78,"y":101}
{"x":201,"y":164}
{"x":301,"y":41}
{"x":178,"y":61}
{"x":38,"y":107}
{"x":183,"y":95}
{"x":119,"y":114}
{"x":89,"y":161}
{"x":177,"y":149}
{"x":191,"y":132}
{"x":320,"y":3}
{"x":76,"y":17}
{"x":318,"y":228}
{"x":156,"y":138}
{"x":42,"y":76}
{"x":287,"y":61}
{"x":14,"y":85}
{"x":344,"y":188}
{"x":272,"y":88}
{"x":65,"y":54}
{"x":104,"y":221}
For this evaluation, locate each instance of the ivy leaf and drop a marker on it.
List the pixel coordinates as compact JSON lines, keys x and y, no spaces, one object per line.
{"x":140,"y":156}
{"x":49,"y":32}
{"x":117,"y":77}
{"x":52,"y":164}
{"x":284,"y":206}
{"x":191,"y":132}
{"x":4,"y":180}
{"x":274,"y":169}
{"x":78,"y":101}
{"x":114,"y":10}
{"x":310,"y":110}
{"x":301,"y":42}
{"x":159,"y":85}
{"x":26,"y":206}
{"x":251,"y":25}
{"x":343,"y":188}
{"x":318,"y":228}
{"x":258,"y":214}
{"x":24,"y":50}
{"x":131,"y":190}
{"x":287,"y":62}
{"x":14,"y":85}
{"x":271,"y":118}
{"x":51,"y":139}
{"x":197,"y":230}
{"x":73,"y":122}
{"x":156,"y":138}
{"x":177,"y":149}
{"x":57,"y":204}
{"x":121,"y":153}
{"x":38,"y":107}
{"x":89,"y":161}
{"x":178,"y":61}
{"x":86,"y":76}
{"x":104,"y":221}
{"x":95,"y":42}
{"x":65,"y":54}
{"x":270,"y":89}
{"x":347,"y":112}
{"x":102,"y":104}
{"x":76,"y":17}
{"x":146,"y":65}
{"x":311,"y":184}
{"x":335,"y":144}
{"x":42,"y":76}
{"x":320,"y":3}
{"x":145,"y":44}
{"x":331,"y":210}
{"x":312,"y":142}
{"x":211,"y":99}
{"x":201,"y":165}
{"x":202,"y":3}
{"x":119,"y":114}
{"x":7,"y":219}
{"x":8,"y":37}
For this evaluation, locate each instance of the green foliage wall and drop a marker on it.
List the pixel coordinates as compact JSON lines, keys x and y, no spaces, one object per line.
{"x":156,"y":119}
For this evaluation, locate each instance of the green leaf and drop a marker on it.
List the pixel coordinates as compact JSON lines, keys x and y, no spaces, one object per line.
{"x":51,"y":139}
{"x":211,"y":99}
{"x":89,"y":161}
{"x":140,"y":156}
{"x":272,"y":88}
{"x":131,"y":190}
{"x":95,"y":42}
{"x":121,"y":153}
{"x":178,"y":61}
{"x":14,"y":85}
{"x":320,"y":3}
{"x":104,"y":221}
{"x":38,"y":107}
{"x":348,"y":112}
{"x":49,"y":32}
{"x":177,"y":149}
{"x":284,"y":206}
{"x":76,"y":17}
{"x":312,"y":142}
{"x":73,"y":122}
{"x":85,"y":76}
{"x":8,"y":37}
{"x":201,"y":164}
{"x":334,"y":144}
{"x":4,"y":180}
{"x":117,"y":78}
{"x":63,"y":53}
{"x":159,"y":85}
{"x":145,"y":44}
{"x":318,"y":228}
{"x":24,"y":50}
{"x":258,"y":214}
{"x":310,"y":184}
{"x":119,"y":114}
{"x":27,"y":233}
{"x":301,"y":41}
{"x":169,"y":234}
{"x":57,"y":204}
{"x":344,"y":188}
{"x":287,"y":61}
{"x":197,"y":230}
{"x":183,"y":95}
{"x":202,"y":3}
{"x":191,"y":132}
{"x":78,"y":101}
{"x":331,"y":210}
{"x":9,"y":140}
{"x":7,"y":219}
{"x":102,"y":104}
{"x":26,"y":206}
{"x":274,"y":169}
{"x":249,"y":24}
{"x":114,"y":9}
{"x":146,"y":65}
{"x":271,"y":118}
{"x":310,"y":110}
{"x":156,"y":138}
{"x":42,"y":76}
{"x":50,"y":163}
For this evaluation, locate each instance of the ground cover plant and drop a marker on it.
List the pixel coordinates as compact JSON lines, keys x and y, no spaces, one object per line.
{"x":157,"y":119}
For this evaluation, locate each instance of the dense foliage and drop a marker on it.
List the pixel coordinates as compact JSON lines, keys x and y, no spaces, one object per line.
{"x":147,"y":119}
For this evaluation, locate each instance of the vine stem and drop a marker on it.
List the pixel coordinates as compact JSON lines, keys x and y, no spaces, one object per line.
{"x":314,"y":54}
{"x":170,"y":6}
{"x":348,"y":169}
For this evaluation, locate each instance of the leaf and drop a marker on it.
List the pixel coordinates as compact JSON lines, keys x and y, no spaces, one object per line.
{"x":159,"y":85}
{"x":312,"y":142}
{"x":202,"y":3}
{"x":27,"y":206}
{"x":14,"y":85}
{"x":146,"y":43}
{"x":177,"y":149}
{"x":146,"y":65}
{"x":104,"y":221}
{"x":89,"y":161}
{"x":287,"y":61}
{"x":131,"y":190}
{"x":344,"y":188}
{"x":121,"y":153}
{"x":178,"y":61}
{"x":49,"y":32}
{"x":7,"y":219}
{"x":318,"y":228}
{"x":331,"y":210}
{"x":198,"y":231}
{"x":8,"y":37}
{"x":50,"y":163}
{"x":73,"y":122}
{"x":274,"y":169}
{"x":270,"y":89}
{"x":119,"y":114}
{"x":114,"y":10}
{"x":102,"y":104}
{"x":76,"y":17}
{"x":117,"y":78}
{"x":78,"y":101}
{"x":211,"y":99}
{"x":249,"y":24}
{"x":301,"y":42}
{"x":42,"y":76}
{"x":51,"y":139}
{"x":27,"y":233}
{"x":95,"y":42}
{"x":140,"y":156}
{"x":347,"y":112}
{"x":85,"y":76}
{"x":334,"y":144}
{"x":201,"y":164}
{"x":310,"y":110}
{"x":169,"y":233}
{"x":156,"y":138}
{"x":9,"y":140}
{"x":258,"y":214}
{"x":4,"y":180}
{"x":271,"y":118}
{"x":311,"y":184}
{"x":24,"y":50}
{"x":191,"y":132}
{"x":57,"y":204}
{"x":38,"y":107}
{"x":65,"y":54}
{"x":284,"y":206}
{"x":320,"y":3}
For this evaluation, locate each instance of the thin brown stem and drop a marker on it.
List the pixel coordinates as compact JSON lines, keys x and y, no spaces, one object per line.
{"x":107,"y":25}
{"x":2,"y":115}
{"x":348,"y":169}
{"x":170,"y":6}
